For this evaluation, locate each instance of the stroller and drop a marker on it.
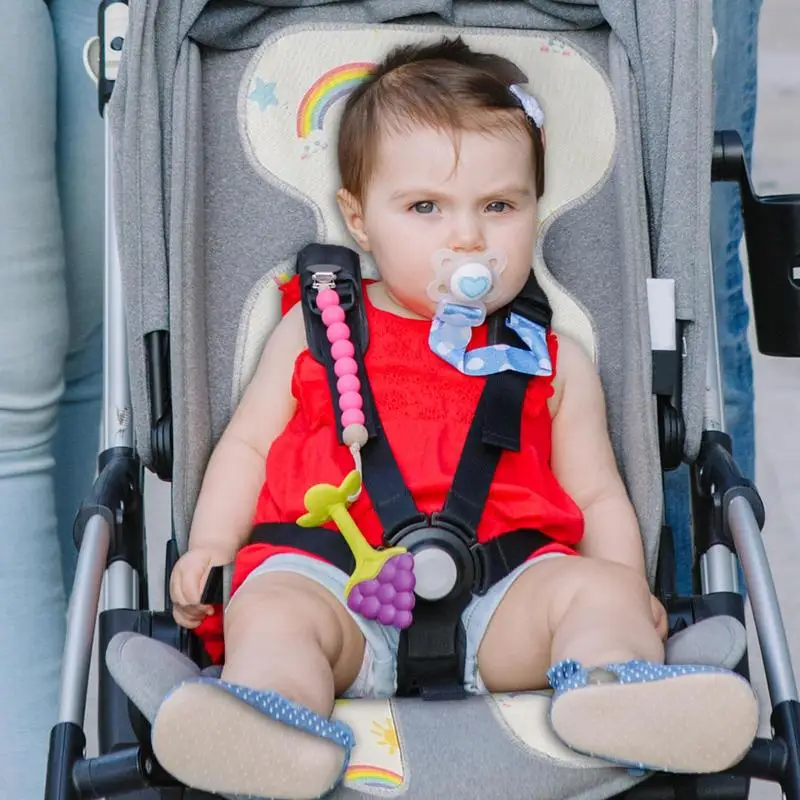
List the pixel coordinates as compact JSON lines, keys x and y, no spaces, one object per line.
{"x":220,"y":119}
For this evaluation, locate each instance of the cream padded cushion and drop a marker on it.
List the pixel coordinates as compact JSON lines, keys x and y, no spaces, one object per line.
{"x":378,"y":765}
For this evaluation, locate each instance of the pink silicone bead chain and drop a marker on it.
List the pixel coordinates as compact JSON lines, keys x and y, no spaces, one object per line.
{"x":351,"y":403}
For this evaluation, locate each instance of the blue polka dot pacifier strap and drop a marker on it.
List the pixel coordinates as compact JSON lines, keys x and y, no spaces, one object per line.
{"x":451,"y":332}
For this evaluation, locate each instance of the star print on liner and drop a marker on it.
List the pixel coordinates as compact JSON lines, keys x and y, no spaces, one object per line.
{"x":264,"y":94}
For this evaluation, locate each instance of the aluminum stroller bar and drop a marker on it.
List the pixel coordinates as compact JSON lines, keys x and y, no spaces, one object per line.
{"x":120,"y":588}
{"x":81,"y":621}
{"x":718,"y":565}
{"x":117,"y":411}
{"x":122,"y":583}
{"x":108,"y":527}
{"x":741,"y":509}
{"x":764,"y":601}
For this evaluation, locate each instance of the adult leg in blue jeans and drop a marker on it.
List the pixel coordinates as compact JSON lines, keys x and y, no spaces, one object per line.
{"x":51,"y":240}
{"x":735,"y":76}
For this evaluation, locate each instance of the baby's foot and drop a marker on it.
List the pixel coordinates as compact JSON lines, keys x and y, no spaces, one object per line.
{"x":222,"y":738}
{"x":671,"y":718}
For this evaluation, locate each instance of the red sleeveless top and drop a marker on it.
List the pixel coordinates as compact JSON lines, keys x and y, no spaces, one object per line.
{"x":426,"y":408}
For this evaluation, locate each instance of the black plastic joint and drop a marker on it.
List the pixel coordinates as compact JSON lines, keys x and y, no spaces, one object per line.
{"x":727,"y":157}
{"x":67,"y":741}
{"x":719,"y":474}
{"x":113,"y":773}
{"x":161,"y":447}
{"x":116,"y":41}
{"x":786,"y":724}
{"x":116,"y":496}
{"x":671,"y":434}
{"x":156,"y":344}
{"x":113,"y":487}
{"x":766,"y":760}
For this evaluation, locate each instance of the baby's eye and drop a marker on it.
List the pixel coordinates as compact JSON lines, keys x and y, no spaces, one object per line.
{"x":424,"y":207}
{"x":498,"y":207}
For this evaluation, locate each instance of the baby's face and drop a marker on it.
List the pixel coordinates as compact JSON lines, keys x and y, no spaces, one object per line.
{"x":421,"y":200}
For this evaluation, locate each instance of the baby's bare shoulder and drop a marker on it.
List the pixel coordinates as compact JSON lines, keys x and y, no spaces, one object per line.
{"x":576,"y":375}
{"x":267,"y":402}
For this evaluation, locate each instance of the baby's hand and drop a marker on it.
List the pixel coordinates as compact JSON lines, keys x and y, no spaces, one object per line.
{"x":186,"y":585}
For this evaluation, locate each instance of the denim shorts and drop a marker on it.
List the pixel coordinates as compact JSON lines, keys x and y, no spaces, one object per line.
{"x":377,"y":677}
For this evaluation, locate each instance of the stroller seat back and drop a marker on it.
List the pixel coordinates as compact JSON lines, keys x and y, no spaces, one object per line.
{"x":288,"y":102}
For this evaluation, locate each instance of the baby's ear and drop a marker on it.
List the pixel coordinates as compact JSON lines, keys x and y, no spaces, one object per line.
{"x":353,"y":216}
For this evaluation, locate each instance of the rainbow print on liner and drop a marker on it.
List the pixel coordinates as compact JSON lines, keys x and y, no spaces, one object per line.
{"x":372,"y":777}
{"x":327,"y":89}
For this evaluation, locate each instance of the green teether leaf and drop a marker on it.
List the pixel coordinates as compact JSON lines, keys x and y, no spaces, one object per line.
{"x":351,"y":484}
{"x":321,"y":500}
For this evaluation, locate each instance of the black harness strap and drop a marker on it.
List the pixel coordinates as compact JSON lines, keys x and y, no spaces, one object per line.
{"x":323,"y":542}
{"x":383,"y":481}
{"x":499,"y":556}
{"x":498,"y":418}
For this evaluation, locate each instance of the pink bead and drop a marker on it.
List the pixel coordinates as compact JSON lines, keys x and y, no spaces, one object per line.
{"x":327,"y":298}
{"x":338,"y":331}
{"x":345,"y":366}
{"x":347,"y":383}
{"x":352,"y":416}
{"x":333,"y":314}
{"x":350,"y":400}
{"x":342,"y":349}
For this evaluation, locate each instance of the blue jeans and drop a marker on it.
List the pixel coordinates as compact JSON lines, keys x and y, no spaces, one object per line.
{"x":735,"y":76}
{"x":51,"y":251}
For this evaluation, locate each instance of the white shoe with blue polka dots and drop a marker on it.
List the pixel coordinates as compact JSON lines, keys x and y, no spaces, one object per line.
{"x":654,"y":717}
{"x":235,"y":741}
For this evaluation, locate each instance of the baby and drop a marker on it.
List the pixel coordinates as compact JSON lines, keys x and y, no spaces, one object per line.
{"x":439,"y":150}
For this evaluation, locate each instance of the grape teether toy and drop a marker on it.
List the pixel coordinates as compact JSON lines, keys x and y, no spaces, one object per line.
{"x":382,"y":584}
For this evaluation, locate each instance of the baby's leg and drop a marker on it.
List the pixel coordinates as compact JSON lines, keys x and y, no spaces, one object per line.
{"x":591,"y":622}
{"x":288,"y":634}
{"x":566,"y":607}
{"x":288,"y":639}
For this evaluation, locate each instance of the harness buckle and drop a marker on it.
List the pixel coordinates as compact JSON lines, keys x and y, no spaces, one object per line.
{"x":446,"y":563}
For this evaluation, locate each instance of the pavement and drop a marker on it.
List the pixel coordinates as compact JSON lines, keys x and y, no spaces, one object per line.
{"x":776,"y":170}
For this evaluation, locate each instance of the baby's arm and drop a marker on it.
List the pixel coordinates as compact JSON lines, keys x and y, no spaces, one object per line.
{"x":235,"y":474}
{"x":583,"y":461}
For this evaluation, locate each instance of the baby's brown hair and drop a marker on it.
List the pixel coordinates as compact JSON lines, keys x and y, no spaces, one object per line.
{"x":445,"y":86}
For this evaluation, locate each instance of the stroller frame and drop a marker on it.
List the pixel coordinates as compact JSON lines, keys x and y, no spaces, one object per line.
{"x":109,"y":528}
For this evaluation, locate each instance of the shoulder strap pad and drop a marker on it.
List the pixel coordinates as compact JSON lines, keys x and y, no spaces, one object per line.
{"x":531,"y":303}
{"x":343,"y":265}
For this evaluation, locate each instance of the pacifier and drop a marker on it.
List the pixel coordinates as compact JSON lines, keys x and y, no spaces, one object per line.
{"x":469,"y":280}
